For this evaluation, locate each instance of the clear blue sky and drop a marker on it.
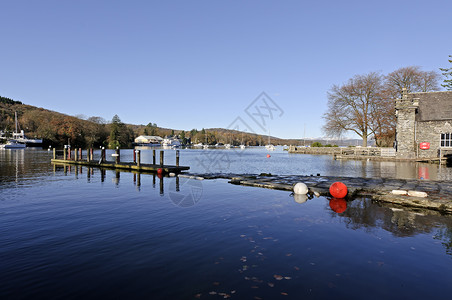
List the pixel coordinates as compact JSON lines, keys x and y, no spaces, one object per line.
{"x":194,"y":64}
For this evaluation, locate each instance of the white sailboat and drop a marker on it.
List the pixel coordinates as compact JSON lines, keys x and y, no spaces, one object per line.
{"x":242,"y":146}
{"x":14,"y":143}
{"x":269,"y":146}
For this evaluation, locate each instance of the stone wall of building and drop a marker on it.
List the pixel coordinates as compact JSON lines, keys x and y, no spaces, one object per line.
{"x":430,"y":131}
{"x":423,"y":117}
{"x":405,"y":137}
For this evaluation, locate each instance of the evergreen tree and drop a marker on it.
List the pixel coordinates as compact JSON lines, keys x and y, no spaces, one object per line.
{"x":115,"y":129}
{"x":152,"y":129}
{"x":183,"y":138}
{"x":447,"y":72}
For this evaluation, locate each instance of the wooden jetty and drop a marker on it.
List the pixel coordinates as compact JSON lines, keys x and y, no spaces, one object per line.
{"x":136,"y":165}
{"x":364,"y":153}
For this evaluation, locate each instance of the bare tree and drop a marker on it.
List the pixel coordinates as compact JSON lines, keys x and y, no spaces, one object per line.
{"x":365,"y":104}
{"x":413,"y":79}
{"x":383,"y":119}
{"x":354,"y":106}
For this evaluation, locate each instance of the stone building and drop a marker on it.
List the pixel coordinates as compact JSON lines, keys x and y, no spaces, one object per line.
{"x":424,"y":125}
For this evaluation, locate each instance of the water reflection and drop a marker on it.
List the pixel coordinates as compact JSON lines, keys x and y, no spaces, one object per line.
{"x":23,"y":166}
{"x":186,"y":192}
{"x":32,"y":163}
{"x":182,"y":191}
{"x":391,"y":169}
{"x":338,"y":205}
{"x":400,"y":221}
{"x":299,"y":198}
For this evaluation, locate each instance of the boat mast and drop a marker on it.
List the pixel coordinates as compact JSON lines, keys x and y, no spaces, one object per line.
{"x":269,"y":137}
{"x":15,"y":118}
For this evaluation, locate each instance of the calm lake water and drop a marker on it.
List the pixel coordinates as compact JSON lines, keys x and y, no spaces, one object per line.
{"x":71,"y":233}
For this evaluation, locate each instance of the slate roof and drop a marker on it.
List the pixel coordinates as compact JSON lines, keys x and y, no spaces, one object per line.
{"x":434,"y":106}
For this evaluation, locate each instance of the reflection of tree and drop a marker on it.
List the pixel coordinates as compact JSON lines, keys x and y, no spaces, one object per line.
{"x":362,"y":215}
{"x":445,"y":235}
{"x":402,"y":222}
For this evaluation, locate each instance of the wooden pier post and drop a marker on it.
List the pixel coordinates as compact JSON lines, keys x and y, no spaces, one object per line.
{"x":102,"y":155}
{"x":54,"y":153}
{"x":153,"y":156}
{"x":117,"y":156}
{"x":106,"y":162}
{"x":138,"y":157}
{"x":134,"y":156}
{"x":69,"y":152}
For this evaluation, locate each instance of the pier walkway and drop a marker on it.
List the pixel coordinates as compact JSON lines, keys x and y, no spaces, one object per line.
{"x":136,"y":165}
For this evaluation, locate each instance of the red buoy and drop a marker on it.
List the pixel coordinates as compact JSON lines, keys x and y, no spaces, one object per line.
{"x":338,"y":190}
{"x":268,"y":156}
{"x":159,"y":171}
{"x":338,"y":205}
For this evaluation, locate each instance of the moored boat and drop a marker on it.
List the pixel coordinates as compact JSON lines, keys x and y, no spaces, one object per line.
{"x":13,"y":144}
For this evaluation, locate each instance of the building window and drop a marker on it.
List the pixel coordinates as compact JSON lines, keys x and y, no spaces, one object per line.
{"x":446,"y":139}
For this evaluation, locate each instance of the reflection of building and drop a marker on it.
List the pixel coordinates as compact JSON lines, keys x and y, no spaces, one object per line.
{"x":148,"y":140}
{"x":424,"y":124}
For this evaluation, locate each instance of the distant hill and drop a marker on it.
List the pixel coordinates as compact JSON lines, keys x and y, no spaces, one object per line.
{"x":58,"y":129}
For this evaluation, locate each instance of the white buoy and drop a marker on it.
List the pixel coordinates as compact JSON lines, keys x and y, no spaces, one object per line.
{"x":417,"y":194}
{"x":300,"y":188}
{"x":172,"y":174}
{"x":399,"y":192}
{"x":299,"y":198}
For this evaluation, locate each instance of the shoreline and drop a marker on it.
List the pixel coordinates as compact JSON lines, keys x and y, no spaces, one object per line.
{"x":439,"y":193}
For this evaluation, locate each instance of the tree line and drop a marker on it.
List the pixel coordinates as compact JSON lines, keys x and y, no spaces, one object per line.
{"x":58,"y":129}
{"x":365,"y":104}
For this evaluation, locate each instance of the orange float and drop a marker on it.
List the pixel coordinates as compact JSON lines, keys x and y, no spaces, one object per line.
{"x":338,"y":190}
